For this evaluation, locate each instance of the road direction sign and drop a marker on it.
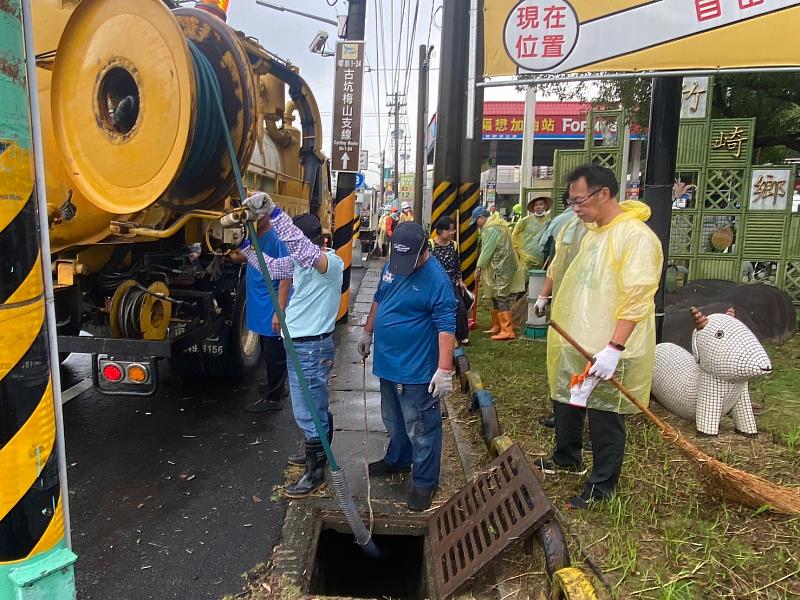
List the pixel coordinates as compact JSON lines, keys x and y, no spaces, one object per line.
{"x":360,"y":180}
{"x":347,"y":106}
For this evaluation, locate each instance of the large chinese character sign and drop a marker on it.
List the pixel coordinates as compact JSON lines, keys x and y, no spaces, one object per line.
{"x":347,"y":106}
{"x":557,"y":36}
{"x":540,"y":34}
{"x":769,"y":189}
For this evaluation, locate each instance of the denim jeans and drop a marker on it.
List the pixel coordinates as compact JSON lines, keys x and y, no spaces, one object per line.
{"x":413,"y":419}
{"x":316,"y":361}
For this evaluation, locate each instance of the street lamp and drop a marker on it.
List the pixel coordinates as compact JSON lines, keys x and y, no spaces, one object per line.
{"x":296,"y":12}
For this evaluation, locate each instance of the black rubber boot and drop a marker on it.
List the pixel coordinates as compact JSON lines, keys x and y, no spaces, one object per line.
{"x":314,"y":477}
{"x":299,"y":459}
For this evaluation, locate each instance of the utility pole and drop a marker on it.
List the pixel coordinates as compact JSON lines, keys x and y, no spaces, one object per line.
{"x":345,"y":205}
{"x":662,"y":153}
{"x":470,"y":169}
{"x":450,"y":111}
{"x":35,"y":559}
{"x":422,"y":117}
{"x":395,"y":106}
{"x":383,"y":171}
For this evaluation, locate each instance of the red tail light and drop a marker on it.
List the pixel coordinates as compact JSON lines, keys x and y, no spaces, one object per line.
{"x":112,"y":372}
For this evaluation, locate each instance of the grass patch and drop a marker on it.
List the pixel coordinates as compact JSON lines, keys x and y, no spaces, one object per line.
{"x":662,"y":537}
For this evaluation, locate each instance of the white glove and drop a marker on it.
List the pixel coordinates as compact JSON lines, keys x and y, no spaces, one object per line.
{"x":579,"y":394}
{"x":365,"y":343}
{"x":541,"y":305}
{"x":441,"y":383}
{"x":605,"y":363}
{"x":260,"y":203}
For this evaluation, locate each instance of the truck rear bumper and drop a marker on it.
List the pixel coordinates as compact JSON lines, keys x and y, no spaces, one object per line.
{"x":139,"y":348}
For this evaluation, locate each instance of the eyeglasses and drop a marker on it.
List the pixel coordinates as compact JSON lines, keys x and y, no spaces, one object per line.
{"x":575,"y":201}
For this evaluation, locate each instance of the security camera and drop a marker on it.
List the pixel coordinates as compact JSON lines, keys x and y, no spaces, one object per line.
{"x":318,"y":43}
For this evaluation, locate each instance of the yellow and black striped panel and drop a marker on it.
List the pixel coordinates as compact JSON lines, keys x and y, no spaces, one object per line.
{"x":343,"y":216}
{"x":443,"y":200}
{"x":356,"y":227}
{"x":31,"y":520}
{"x":468,"y":196}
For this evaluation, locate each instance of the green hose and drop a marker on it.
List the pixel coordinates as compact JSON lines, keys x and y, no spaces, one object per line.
{"x":341,"y":487}
{"x":208,"y":128}
{"x":312,"y":407}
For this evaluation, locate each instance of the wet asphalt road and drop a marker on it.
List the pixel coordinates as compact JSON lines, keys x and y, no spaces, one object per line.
{"x":172,"y":496}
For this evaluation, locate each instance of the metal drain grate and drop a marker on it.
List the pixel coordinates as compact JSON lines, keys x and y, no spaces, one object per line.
{"x":500,"y":505}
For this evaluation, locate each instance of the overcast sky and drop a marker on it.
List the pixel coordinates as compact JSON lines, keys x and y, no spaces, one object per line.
{"x":289,"y":36}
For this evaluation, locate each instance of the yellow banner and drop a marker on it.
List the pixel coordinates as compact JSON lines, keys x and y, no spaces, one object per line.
{"x":560,"y":36}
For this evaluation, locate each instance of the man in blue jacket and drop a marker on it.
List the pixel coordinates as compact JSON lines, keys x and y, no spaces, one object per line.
{"x":413,"y":318}
{"x":261,"y":319}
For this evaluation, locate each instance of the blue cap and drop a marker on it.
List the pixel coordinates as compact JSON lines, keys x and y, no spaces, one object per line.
{"x":480,"y":211}
{"x":408,"y":240}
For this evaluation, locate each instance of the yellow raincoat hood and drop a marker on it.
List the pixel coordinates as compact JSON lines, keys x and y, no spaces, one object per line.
{"x":631,"y":209}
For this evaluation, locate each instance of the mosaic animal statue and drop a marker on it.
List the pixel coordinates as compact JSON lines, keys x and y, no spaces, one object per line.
{"x":712,"y":381}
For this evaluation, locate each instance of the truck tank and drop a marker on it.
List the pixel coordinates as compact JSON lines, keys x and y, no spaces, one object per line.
{"x":138,"y":174}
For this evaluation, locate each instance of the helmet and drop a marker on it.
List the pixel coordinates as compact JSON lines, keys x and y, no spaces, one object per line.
{"x":405,"y":205}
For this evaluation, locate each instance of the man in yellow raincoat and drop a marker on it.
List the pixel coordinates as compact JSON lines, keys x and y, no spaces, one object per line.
{"x":528,"y":231}
{"x":383,"y":239}
{"x":501,"y":273}
{"x":605,"y":301}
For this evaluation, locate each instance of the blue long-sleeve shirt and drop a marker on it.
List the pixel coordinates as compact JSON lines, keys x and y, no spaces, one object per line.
{"x":411,"y":313}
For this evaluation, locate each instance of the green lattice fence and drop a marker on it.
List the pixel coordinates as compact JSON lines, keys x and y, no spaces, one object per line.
{"x":734,"y":221}
{"x":605,"y":132}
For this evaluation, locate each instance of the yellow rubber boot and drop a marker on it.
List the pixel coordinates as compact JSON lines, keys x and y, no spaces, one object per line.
{"x":506,"y":327}
{"x":495,"y":323}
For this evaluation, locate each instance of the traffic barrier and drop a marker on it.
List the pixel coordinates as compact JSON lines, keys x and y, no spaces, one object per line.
{"x":442,"y":200}
{"x":33,"y":554}
{"x":344,"y":214}
{"x":468,"y":235}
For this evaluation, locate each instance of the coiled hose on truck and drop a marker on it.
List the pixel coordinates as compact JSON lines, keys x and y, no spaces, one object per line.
{"x":341,"y":486}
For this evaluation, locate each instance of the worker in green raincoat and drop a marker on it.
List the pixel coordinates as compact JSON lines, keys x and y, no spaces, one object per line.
{"x":501,"y":273}
{"x":606,"y":302}
{"x":529,"y":230}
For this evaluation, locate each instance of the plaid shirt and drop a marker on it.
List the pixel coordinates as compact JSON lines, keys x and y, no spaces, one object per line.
{"x":302,"y":251}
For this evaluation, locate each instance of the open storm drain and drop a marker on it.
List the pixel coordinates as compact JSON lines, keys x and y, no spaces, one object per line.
{"x":342,"y":569}
{"x":501,"y":504}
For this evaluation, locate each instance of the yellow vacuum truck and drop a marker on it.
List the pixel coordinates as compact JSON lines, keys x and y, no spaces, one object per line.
{"x":138,"y":176}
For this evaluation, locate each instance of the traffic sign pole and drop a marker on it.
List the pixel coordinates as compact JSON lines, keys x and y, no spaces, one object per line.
{"x":346,"y":146}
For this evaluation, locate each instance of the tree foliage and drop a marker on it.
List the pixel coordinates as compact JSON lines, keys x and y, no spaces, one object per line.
{"x":773,"y":98}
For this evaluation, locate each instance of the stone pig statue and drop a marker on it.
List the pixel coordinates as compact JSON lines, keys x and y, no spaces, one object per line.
{"x":713,"y":382}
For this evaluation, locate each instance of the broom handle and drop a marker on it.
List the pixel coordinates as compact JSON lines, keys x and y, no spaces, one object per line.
{"x":614,"y":381}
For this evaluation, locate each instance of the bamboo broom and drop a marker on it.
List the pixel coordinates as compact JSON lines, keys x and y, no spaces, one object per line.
{"x":719,"y":479}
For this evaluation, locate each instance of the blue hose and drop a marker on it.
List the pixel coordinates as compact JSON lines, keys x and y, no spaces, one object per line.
{"x":340,"y":485}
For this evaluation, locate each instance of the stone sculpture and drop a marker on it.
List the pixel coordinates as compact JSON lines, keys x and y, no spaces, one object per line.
{"x":712,"y":381}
